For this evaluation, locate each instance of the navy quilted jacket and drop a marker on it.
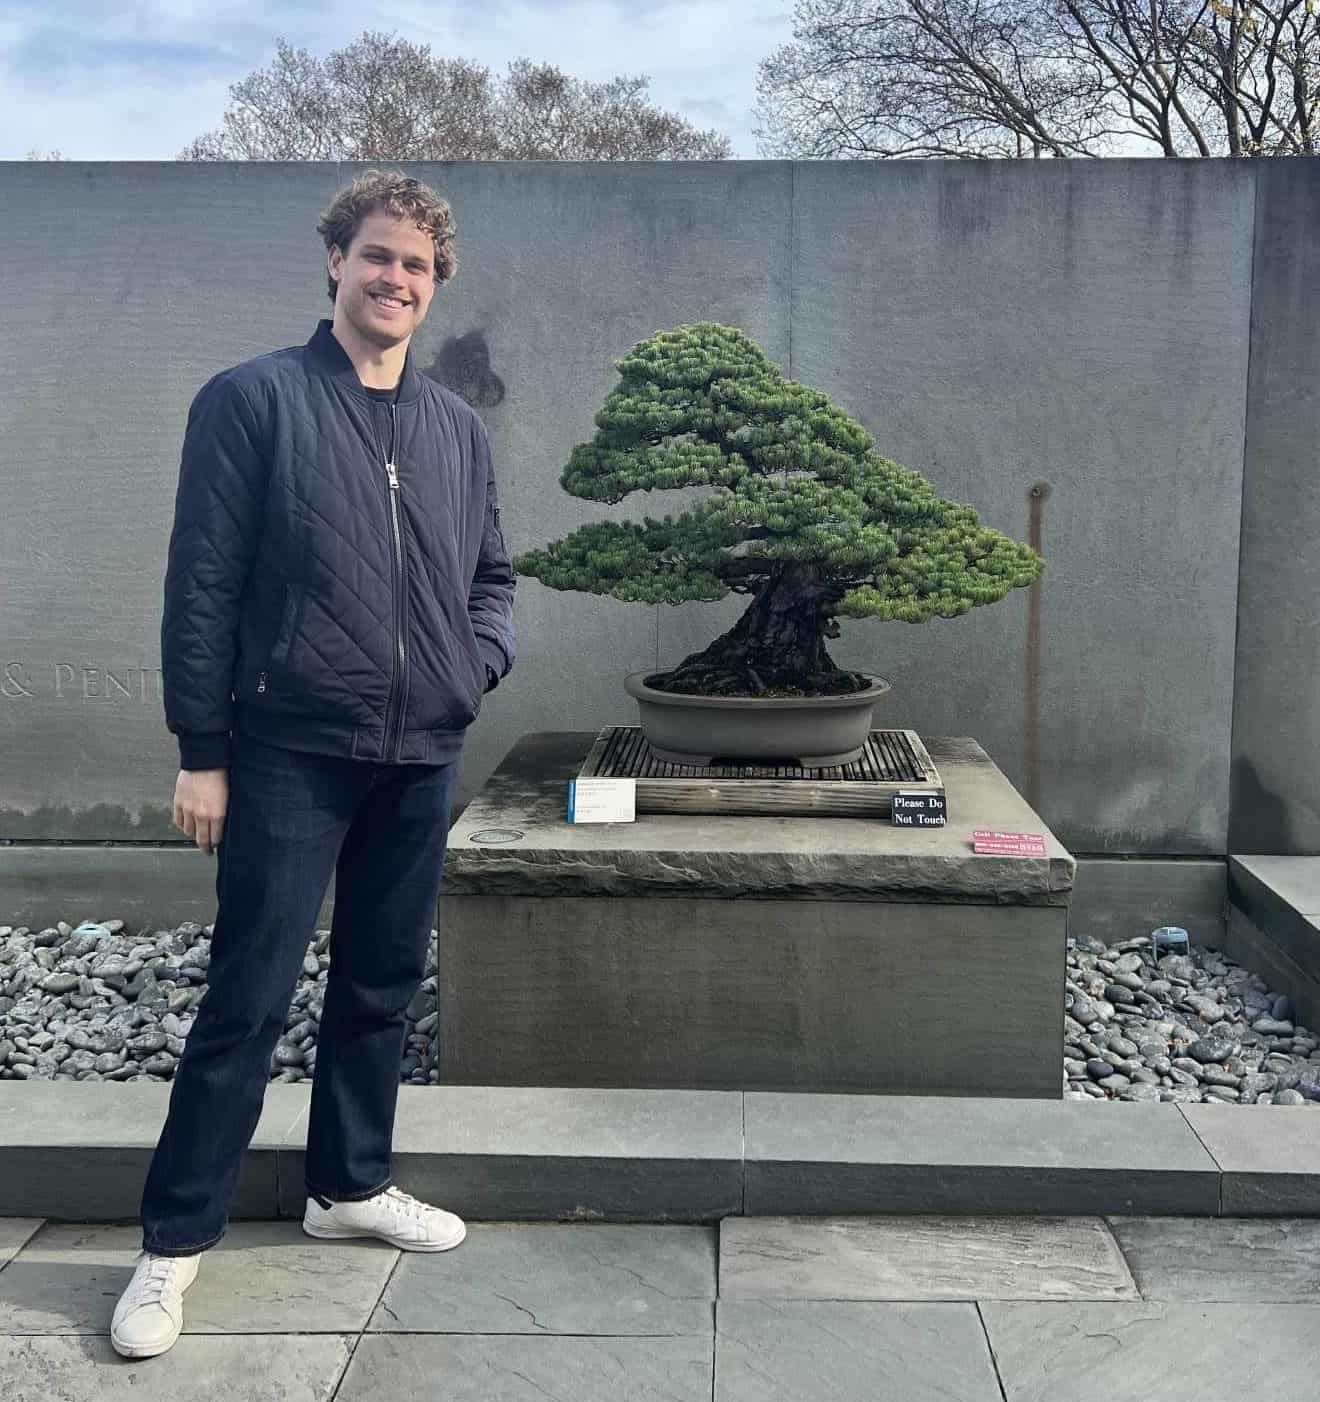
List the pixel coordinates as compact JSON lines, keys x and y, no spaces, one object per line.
{"x":319,"y":595}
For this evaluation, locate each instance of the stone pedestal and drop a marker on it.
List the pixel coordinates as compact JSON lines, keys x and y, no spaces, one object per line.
{"x":750,"y":953}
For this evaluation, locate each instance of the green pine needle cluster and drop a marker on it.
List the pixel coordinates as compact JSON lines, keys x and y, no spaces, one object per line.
{"x":793,"y":478}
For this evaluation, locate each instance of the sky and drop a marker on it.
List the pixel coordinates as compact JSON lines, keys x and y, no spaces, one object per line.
{"x":103,"y":80}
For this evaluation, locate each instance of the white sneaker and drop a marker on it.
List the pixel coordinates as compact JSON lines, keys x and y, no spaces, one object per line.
{"x":149,"y":1315}
{"x":392,"y":1215}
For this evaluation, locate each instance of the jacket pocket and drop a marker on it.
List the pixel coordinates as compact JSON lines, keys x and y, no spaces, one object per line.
{"x":283,"y":640}
{"x":464,"y":684}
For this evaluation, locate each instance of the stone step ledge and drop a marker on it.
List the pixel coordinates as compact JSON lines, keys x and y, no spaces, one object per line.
{"x":79,"y":1151}
{"x":1274,"y":926}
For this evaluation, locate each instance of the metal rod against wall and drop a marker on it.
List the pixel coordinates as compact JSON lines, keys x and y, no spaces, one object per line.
{"x":1036,"y":497}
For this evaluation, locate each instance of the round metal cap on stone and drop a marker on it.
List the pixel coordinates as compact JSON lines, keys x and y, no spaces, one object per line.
{"x":494,"y":835}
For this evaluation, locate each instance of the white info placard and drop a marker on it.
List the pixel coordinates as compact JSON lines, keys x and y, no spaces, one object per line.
{"x":602,"y":800}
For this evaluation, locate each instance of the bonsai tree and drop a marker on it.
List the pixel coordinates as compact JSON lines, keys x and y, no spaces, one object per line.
{"x":805,"y":517}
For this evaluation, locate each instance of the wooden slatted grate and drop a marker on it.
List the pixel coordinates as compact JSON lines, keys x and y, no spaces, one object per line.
{"x":891,"y":759}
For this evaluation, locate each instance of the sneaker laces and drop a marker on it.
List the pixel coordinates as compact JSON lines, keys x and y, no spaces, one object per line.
{"x":159,"y":1277}
{"x":406,"y":1203}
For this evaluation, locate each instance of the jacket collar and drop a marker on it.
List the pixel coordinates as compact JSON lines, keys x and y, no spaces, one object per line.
{"x":328,"y":356}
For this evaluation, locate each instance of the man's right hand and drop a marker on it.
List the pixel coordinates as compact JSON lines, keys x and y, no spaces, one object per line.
{"x":201,"y":800}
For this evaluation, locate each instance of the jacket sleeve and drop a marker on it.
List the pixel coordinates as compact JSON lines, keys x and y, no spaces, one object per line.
{"x":217,"y":519}
{"x":490,"y":596}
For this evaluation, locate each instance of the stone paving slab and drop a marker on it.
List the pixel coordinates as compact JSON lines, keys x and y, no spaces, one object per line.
{"x":1222,"y":1259}
{"x":516,"y":1368}
{"x":510,"y":1153}
{"x":922,"y":1258}
{"x":1269,"y":1158}
{"x":200,"y":1368}
{"x":1142,"y":1352}
{"x":555,"y":1278}
{"x":818,"y":1154}
{"x":262,"y":1277}
{"x":80,"y":1150}
{"x":14,"y":1231}
{"x":850,"y":1351}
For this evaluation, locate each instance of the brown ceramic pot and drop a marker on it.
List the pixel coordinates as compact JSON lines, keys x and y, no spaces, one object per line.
{"x":813,"y":731}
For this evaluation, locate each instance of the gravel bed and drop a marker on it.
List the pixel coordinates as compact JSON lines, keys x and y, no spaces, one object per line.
{"x":1190,"y":1027}
{"x":98,"y":1003}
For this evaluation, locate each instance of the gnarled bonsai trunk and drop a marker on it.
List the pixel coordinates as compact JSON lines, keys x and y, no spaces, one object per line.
{"x":776,"y":648}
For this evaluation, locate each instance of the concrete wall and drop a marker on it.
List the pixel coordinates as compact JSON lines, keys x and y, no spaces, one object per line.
{"x":1078,"y":324}
{"x":995,"y":324}
{"x":1276,"y":715}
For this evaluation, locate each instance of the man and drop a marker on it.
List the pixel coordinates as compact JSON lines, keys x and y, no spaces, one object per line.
{"x":338,"y":598}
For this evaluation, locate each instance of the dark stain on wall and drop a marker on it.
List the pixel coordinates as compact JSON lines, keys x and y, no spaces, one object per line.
{"x":463,"y":365}
{"x":965,"y":205}
{"x":1260,"y":820}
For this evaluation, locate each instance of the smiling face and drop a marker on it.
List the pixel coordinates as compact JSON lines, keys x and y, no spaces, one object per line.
{"x":385,"y":281}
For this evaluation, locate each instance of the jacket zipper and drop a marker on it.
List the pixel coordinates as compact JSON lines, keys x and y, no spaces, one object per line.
{"x":395,"y":702}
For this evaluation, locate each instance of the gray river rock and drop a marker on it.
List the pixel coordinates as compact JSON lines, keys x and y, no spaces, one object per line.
{"x":1204,"y":1028}
{"x":98,"y":1002}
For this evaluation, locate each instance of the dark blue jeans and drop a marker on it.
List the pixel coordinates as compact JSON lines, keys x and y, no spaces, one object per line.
{"x":292,"y":818}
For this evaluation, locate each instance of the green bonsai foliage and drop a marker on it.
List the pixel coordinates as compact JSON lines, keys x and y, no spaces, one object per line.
{"x":805,"y":516}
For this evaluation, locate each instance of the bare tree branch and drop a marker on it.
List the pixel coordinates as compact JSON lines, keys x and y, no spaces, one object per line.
{"x":384,"y":99}
{"x":985,"y":78}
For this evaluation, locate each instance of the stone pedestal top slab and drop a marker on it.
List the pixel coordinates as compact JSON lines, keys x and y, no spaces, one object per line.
{"x":514,"y":839}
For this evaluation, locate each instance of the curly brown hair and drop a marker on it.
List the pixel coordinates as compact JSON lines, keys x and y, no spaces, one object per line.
{"x":392,"y":192}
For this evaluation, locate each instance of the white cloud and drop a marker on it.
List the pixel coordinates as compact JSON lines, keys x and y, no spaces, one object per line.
{"x":700,"y":58}
{"x":122,"y":117}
